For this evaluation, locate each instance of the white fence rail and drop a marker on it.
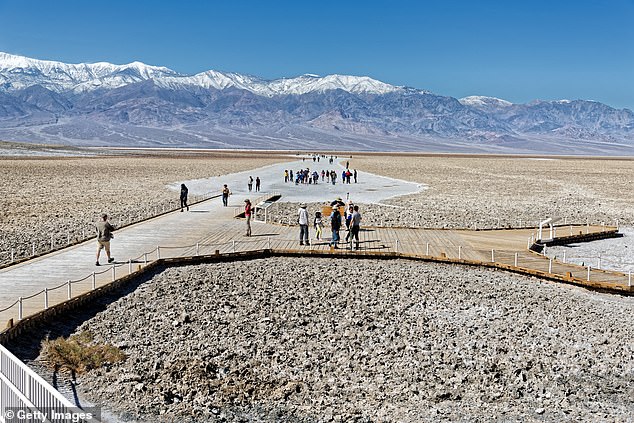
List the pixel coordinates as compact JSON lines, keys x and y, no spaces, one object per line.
{"x":23,"y":389}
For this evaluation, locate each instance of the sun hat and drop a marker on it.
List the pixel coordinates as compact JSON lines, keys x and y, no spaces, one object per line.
{"x":302,"y":205}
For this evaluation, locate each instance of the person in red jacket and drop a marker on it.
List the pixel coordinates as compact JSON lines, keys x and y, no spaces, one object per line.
{"x":247,"y":215}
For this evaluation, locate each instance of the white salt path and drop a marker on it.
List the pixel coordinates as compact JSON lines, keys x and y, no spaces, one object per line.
{"x":370,"y":188}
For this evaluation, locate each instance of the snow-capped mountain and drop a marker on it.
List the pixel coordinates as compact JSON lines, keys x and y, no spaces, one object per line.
{"x":17,"y":72}
{"x":141,"y":105}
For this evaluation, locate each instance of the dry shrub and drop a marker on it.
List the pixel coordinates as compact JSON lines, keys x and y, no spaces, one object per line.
{"x":79,"y":353}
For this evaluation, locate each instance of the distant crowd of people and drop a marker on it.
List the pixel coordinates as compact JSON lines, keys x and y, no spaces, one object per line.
{"x":305,"y":176}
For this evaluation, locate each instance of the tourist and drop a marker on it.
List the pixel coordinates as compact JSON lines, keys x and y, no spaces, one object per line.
{"x":355,"y":176}
{"x":335,"y":225}
{"x":291,"y":178}
{"x":333,"y":176}
{"x":257,"y":183}
{"x":104,"y":235}
{"x":247,"y":215}
{"x":225,"y":195}
{"x":184,"y":192}
{"x":348,"y":219}
{"x":355,"y":226}
{"x":286,"y":176}
{"x":318,"y":224}
{"x":323,"y":174}
{"x":250,"y":183}
{"x":302,"y":219}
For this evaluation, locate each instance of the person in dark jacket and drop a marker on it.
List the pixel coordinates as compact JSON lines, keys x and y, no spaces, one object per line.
{"x":184,"y":192}
{"x":335,"y":225}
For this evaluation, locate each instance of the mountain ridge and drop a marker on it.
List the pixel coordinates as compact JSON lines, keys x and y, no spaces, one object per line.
{"x":134,"y":103}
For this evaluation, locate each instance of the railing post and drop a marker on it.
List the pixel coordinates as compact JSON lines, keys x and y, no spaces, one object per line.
{"x":52,"y":242}
{"x":129,"y":266}
{"x":45,"y":298}
{"x":20,"y":309}
{"x":602,"y":226}
{"x":94,"y":281}
{"x":268,"y":241}
{"x":492,"y":256}
{"x":114,"y":272}
{"x":528,"y":243}
{"x":12,"y":255}
{"x":550,"y":265}
{"x":564,"y":260}
{"x":588,"y":279}
{"x":33,"y":248}
{"x":158,"y":252}
{"x":516,"y":259}
{"x":145,"y":259}
{"x":397,"y":245}
{"x":233,"y":245}
{"x":629,"y":279}
{"x":599,"y":263}
{"x":83,"y":234}
{"x":427,"y":249}
{"x":67,"y":238}
{"x":197,"y":248}
{"x":520,"y":223}
{"x":70,"y":290}
{"x":459,"y":252}
{"x":570,"y":230}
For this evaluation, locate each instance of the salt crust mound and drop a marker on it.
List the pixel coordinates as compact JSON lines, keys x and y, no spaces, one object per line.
{"x":316,"y":339}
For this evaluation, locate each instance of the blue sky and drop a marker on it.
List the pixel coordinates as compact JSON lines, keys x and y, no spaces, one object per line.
{"x":516,"y":50}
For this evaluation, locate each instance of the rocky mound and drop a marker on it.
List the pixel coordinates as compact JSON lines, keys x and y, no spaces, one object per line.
{"x":360,"y":340}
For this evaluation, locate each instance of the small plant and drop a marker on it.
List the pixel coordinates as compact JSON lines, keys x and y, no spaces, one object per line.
{"x":79,"y":354}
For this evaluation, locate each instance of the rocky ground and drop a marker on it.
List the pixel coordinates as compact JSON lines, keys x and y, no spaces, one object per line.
{"x":489,"y":192}
{"x":61,"y":198}
{"x":313,"y":340}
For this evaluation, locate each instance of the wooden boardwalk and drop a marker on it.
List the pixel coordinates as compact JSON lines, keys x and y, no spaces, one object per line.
{"x":209,"y":227}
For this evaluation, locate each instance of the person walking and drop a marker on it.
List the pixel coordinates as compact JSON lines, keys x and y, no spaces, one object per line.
{"x":355,"y":176}
{"x":335,"y":225}
{"x":184,"y":192}
{"x":250,"y":183}
{"x":302,"y":219}
{"x":348,"y":219}
{"x":104,"y":235}
{"x":247,"y":215}
{"x":225,"y":195}
{"x":257,"y":183}
{"x":286,"y":176}
{"x":355,"y":227}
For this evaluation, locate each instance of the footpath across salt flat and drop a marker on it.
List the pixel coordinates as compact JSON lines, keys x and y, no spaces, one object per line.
{"x":370,"y":188}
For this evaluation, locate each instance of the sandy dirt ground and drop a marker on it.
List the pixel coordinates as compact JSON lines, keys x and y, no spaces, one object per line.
{"x":512,"y":188}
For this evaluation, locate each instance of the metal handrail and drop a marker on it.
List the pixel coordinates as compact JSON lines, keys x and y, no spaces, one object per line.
{"x":24,"y":389}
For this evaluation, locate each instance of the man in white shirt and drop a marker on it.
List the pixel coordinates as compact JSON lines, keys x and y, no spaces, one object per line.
{"x":302,"y":219}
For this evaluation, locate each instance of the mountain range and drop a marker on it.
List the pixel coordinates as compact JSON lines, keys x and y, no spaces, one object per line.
{"x":137,"y":105}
